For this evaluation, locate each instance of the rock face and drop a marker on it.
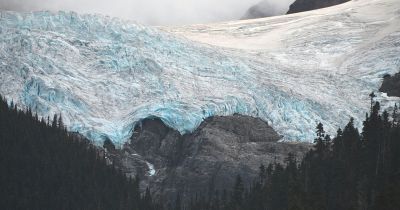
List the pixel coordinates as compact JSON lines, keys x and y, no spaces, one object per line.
{"x":206,"y":160}
{"x":391,"y":85}
{"x":266,"y":9}
{"x":306,"y":5}
{"x":260,"y":10}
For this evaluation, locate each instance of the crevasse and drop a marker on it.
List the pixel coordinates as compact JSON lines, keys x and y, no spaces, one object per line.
{"x":104,"y":75}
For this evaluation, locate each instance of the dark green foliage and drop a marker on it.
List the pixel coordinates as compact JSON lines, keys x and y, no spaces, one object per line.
{"x":45,"y":167}
{"x":352,"y":171}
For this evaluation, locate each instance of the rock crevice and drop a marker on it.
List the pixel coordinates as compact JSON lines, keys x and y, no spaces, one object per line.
{"x":204,"y":161}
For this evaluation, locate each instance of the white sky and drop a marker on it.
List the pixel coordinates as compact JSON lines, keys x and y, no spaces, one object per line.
{"x":153,"y":12}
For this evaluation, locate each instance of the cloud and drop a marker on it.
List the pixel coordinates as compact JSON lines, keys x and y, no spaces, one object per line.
{"x":153,"y":12}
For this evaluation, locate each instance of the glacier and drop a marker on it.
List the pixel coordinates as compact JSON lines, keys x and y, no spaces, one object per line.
{"x":104,"y":75}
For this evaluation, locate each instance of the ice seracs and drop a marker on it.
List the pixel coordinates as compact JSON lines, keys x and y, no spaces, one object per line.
{"x":104,"y":75}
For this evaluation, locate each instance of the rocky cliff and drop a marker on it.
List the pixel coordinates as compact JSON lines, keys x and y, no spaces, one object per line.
{"x":307,"y":5}
{"x":261,"y":10}
{"x":206,"y":160}
{"x":266,"y":9}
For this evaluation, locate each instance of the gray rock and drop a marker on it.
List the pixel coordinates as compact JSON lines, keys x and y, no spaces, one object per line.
{"x":261,"y":10}
{"x":204,"y":161}
{"x":307,"y":5}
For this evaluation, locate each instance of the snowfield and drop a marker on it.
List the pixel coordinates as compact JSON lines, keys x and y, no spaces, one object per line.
{"x":104,"y":75}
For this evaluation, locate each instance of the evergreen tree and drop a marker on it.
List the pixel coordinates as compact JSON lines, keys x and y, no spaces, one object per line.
{"x":350,"y":171}
{"x":44,"y":167}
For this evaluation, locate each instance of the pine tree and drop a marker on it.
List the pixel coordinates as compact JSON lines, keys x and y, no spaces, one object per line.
{"x":45,"y":167}
{"x":319,"y":141}
{"x":60,"y":123}
{"x":54,"y":122}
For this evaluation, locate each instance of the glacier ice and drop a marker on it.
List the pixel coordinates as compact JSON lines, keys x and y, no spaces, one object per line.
{"x":152,"y":171}
{"x":104,"y":75}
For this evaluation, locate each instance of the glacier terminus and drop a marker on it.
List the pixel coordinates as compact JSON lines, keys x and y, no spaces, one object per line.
{"x":104,"y":75}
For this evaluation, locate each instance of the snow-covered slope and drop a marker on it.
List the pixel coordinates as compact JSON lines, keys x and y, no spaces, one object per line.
{"x":104,"y":75}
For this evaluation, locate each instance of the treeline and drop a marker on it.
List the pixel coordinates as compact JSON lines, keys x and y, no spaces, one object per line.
{"x":352,"y":171}
{"x":45,"y":167}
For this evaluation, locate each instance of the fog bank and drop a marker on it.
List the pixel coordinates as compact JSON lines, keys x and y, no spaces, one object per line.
{"x":152,"y":12}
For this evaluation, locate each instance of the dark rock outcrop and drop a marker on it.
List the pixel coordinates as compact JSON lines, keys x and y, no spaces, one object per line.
{"x":203,"y":161}
{"x":260,"y":10}
{"x":391,"y":85}
{"x":266,"y":9}
{"x":307,"y":5}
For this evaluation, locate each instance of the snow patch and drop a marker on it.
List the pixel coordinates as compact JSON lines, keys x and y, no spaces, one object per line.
{"x":152,"y":171}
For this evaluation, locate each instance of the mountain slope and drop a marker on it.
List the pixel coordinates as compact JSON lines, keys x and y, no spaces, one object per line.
{"x":263,"y":9}
{"x":332,"y":57}
{"x":105,"y":75}
{"x":203,"y":161}
{"x":307,"y":5}
{"x":44,"y":167}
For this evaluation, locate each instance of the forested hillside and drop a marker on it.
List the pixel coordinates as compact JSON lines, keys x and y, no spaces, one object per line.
{"x":354,"y":170}
{"x":45,"y":167}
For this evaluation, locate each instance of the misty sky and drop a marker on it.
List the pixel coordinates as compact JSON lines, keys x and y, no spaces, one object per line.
{"x":153,"y":12}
